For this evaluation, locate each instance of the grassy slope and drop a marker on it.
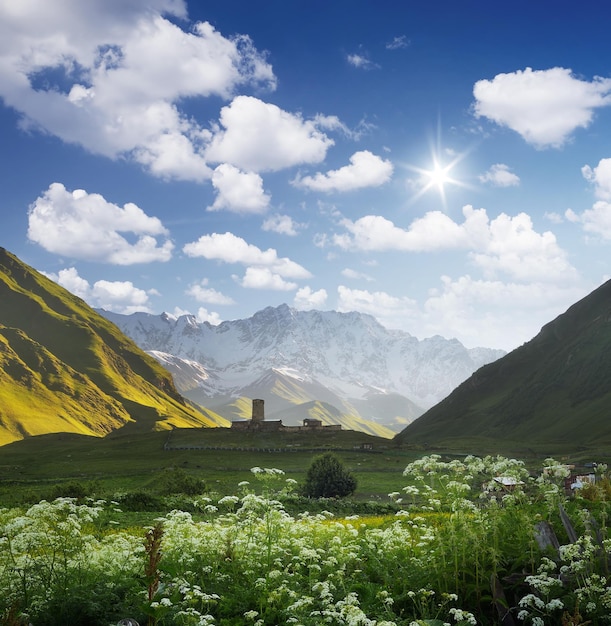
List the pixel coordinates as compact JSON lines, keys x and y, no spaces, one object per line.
{"x":57,"y":356}
{"x":555,"y":389}
{"x":124,"y":461}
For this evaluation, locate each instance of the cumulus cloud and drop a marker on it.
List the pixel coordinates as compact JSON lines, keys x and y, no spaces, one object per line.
{"x":499,"y":175}
{"x":595,"y":221}
{"x":85,"y":226}
{"x":600,"y":177}
{"x":434,"y":231}
{"x":365,"y":170}
{"x":229,"y":248}
{"x":264,"y":268}
{"x":237,"y":191}
{"x":476,"y":312}
{"x":111,"y":77}
{"x":283,"y":225}
{"x":264,"y":278}
{"x":306,"y":299}
{"x":203,"y":315}
{"x":202,"y":293}
{"x":505,"y":244}
{"x":257,"y":136}
{"x":390,"y":311}
{"x":118,"y":296}
{"x":544,"y":106}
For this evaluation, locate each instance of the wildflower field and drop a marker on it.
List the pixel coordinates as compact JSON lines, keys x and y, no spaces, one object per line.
{"x":455,"y":546}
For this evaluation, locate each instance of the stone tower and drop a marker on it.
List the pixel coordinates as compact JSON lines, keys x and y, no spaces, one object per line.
{"x":258,"y":411}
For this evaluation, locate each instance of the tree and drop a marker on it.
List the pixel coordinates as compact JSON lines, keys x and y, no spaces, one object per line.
{"x":327,"y":478}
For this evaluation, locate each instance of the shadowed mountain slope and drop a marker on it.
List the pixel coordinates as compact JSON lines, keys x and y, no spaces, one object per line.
{"x":65,"y":368}
{"x":554,"y":389}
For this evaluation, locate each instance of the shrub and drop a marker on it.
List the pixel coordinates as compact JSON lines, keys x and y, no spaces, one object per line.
{"x":174,"y":481}
{"x":140,"y":501}
{"x":327,"y":478}
{"x":72,"y":489}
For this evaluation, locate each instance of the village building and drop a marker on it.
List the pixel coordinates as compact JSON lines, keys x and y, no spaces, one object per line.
{"x":258,"y":423}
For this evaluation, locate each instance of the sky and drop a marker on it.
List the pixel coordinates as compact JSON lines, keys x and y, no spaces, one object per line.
{"x":443,"y":166}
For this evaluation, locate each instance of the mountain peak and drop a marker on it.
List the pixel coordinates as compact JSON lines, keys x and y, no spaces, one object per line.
{"x":351,"y":354}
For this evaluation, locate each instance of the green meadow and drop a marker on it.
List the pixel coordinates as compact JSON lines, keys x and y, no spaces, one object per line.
{"x":448,"y":543}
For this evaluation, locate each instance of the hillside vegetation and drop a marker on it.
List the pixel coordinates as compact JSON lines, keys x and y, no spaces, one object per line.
{"x":65,"y":368}
{"x":555,"y":389}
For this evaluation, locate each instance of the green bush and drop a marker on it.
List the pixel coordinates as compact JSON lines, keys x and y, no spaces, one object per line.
{"x":177,"y":481}
{"x":327,"y":478}
{"x":72,"y":489}
{"x":140,"y":501}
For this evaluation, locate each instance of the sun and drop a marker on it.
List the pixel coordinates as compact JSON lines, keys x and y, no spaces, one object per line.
{"x":439,"y":175}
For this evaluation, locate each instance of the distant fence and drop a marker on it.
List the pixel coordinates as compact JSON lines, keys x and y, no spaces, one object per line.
{"x":168,"y":447}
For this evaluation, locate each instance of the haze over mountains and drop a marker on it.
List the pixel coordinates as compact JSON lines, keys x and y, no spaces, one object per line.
{"x":554,"y":390}
{"x":338,"y":367}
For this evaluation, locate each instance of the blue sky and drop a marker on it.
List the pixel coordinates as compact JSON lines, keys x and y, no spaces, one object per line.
{"x":443,"y":166}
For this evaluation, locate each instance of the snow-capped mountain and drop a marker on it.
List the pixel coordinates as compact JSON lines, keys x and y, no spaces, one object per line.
{"x":326,"y":355}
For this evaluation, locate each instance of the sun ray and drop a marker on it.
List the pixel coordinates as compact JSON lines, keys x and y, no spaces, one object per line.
{"x":438,"y":176}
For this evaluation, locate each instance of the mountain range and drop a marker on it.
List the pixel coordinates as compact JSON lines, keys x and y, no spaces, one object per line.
{"x":554,"y":390}
{"x":341,"y":368}
{"x":65,"y":368}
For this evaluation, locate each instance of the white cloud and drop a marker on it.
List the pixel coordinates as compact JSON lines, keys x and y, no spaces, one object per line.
{"x":240,"y":192}
{"x":544,"y":106}
{"x":85,"y":226}
{"x":391,"y":311}
{"x":202,"y":293}
{"x":499,"y":175}
{"x":434,"y":231}
{"x":506,"y":245}
{"x":571,"y":216}
{"x":553,"y":217}
{"x":264,"y":278}
{"x":365,"y":170}
{"x":306,"y":299}
{"x":258,"y":137}
{"x":229,"y":248}
{"x":493,"y":313}
{"x":600,"y":176}
{"x":282,"y":224}
{"x":398,"y":42}
{"x":118,"y":296}
{"x":596,"y":220}
{"x":111,"y":76}
{"x":354,"y":275}
{"x":203,"y":315}
{"x":361,"y":62}
{"x":513,"y":248}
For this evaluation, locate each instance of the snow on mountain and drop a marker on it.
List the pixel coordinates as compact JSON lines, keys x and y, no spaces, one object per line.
{"x":349,"y":353}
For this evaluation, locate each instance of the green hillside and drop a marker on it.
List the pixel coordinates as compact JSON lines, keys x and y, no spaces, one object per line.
{"x":555,"y":389}
{"x":65,"y":368}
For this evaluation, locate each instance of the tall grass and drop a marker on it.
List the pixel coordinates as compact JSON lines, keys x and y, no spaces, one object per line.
{"x":243,"y":559}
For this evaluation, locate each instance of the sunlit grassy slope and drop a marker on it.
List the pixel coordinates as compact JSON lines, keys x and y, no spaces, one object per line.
{"x":65,"y":368}
{"x":555,"y":389}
